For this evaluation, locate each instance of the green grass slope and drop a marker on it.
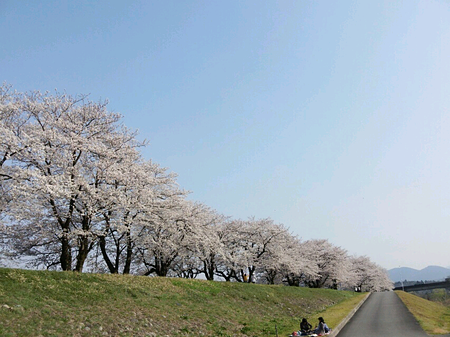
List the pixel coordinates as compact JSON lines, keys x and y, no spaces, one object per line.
{"x":43,"y":303}
{"x":433,"y":317}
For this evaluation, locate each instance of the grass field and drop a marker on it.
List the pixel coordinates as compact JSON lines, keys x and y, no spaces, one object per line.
{"x":434,"y":317}
{"x":43,"y":303}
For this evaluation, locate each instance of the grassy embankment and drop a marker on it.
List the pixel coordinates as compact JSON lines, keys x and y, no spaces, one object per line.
{"x":433,"y":317}
{"x":42,"y":303}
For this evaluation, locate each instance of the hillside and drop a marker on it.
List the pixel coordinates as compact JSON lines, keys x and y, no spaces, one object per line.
{"x":43,"y":303}
{"x":430,"y":273}
{"x":433,"y":317}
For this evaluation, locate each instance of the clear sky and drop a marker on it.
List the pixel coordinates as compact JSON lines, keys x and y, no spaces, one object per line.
{"x":331,"y":117}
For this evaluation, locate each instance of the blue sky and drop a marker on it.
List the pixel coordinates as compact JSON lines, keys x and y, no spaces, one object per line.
{"x":329,"y":117}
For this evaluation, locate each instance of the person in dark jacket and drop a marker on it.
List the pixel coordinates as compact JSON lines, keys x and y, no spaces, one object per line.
{"x":305,"y":327}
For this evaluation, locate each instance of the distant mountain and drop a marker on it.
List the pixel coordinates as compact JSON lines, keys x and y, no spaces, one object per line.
{"x":430,"y":273}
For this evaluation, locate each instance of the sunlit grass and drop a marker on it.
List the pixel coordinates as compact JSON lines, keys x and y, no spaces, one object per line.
{"x":433,"y":317}
{"x":34,"y":303}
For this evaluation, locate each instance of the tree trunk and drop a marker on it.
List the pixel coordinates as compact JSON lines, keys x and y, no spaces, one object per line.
{"x":208,"y":270}
{"x":251,"y":274}
{"x":161,"y":267}
{"x":270,"y":276}
{"x":111,"y":267}
{"x":84,"y":245}
{"x":66,"y":254}
{"x":126,"y":269}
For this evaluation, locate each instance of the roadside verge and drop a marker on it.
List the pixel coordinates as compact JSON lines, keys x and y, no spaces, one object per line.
{"x":339,"y":327}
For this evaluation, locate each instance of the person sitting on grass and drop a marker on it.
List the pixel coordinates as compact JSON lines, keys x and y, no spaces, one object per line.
{"x":322,"y":328}
{"x":305,"y":327}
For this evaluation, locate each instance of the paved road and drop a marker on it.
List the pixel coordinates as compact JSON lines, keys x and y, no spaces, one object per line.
{"x":383,"y":314}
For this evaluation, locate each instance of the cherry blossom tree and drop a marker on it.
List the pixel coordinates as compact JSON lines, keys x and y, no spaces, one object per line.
{"x":131,"y":191}
{"x":282,"y":260}
{"x":170,"y":234}
{"x":334,"y":267}
{"x":380,"y":281}
{"x":13,"y":140}
{"x":368,"y":276}
{"x":291,"y":264}
{"x":251,"y":247}
{"x":66,"y":139}
{"x":230,"y":264}
{"x":264,"y":243}
{"x":210,"y":248}
{"x":203,"y":248}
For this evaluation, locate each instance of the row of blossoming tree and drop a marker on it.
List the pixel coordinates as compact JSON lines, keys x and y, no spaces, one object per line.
{"x":76,"y":194}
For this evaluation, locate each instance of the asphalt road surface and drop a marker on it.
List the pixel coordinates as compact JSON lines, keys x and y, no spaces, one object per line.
{"x":383,"y":314}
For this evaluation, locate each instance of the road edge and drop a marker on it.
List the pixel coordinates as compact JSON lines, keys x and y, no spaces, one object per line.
{"x":339,"y":327}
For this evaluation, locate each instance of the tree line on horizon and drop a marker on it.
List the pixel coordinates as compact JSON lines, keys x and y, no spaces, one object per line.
{"x":76,"y":194}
